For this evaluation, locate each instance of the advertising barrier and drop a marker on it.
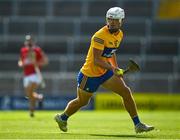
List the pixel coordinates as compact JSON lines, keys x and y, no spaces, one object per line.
{"x":147,"y":101}
{"x":49,"y":103}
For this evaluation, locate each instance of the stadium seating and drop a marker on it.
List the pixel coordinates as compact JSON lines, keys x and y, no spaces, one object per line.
{"x":67,"y":8}
{"x":9,"y":65}
{"x":63,"y":28}
{"x":175,"y":85}
{"x":158,"y":65}
{"x":19,"y":27}
{"x":99,"y":8}
{"x":1,"y":27}
{"x":88,"y":28}
{"x":153,"y":84}
{"x":165,"y":28}
{"x":134,"y":28}
{"x":7,"y":85}
{"x":6,"y":8}
{"x":31,"y":8}
{"x":81,"y":46}
{"x":164,"y":47}
{"x":138,"y":8}
{"x":130,"y":47}
{"x":54,"y":46}
{"x":10,"y":46}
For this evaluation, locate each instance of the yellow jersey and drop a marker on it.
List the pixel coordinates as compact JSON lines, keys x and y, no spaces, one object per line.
{"x":105,"y":41}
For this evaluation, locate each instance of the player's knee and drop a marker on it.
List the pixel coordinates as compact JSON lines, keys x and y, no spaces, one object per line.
{"x":84,"y":103}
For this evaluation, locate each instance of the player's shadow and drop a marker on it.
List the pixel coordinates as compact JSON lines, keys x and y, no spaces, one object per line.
{"x":127,"y":136}
{"x":111,"y":136}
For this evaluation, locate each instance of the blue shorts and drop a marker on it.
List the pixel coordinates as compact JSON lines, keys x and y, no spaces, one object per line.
{"x":91,"y":84}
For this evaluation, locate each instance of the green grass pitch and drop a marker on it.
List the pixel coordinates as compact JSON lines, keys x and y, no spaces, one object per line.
{"x":88,"y":125}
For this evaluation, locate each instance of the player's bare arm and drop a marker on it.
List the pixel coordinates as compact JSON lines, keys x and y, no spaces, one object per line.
{"x":98,"y":60}
{"x":44,"y":61}
{"x":113,"y":60}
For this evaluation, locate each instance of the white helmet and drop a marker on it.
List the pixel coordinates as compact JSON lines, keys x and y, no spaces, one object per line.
{"x":28,"y":37}
{"x":115,"y":13}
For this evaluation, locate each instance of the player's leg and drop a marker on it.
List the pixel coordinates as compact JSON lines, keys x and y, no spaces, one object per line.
{"x":85,"y":88}
{"x":32,"y":100}
{"x":117,"y":85}
{"x":82,"y":99}
{"x":33,"y":97}
{"x":31,"y":83}
{"x":72,"y":107}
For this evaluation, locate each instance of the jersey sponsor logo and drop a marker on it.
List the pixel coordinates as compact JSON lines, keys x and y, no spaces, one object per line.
{"x":108,"y":52}
{"x":99,"y":40}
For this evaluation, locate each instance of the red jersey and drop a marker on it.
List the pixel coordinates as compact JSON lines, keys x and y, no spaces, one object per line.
{"x":27,"y":57}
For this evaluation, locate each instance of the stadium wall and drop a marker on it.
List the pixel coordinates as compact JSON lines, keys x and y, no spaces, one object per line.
{"x":148,"y":101}
{"x":102,"y":101}
{"x":49,"y":103}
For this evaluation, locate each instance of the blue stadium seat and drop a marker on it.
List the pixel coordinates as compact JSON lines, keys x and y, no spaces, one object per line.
{"x":49,"y":86}
{"x":75,"y":64}
{"x":158,"y":65}
{"x":162,"y":47}
{"x":11,"y":46}
{"x":165,"y":28}
{"x":81,"y":46}
{"x":9,"y":65}
{"x":68,"y":86}
{"x":138,"y":8}
{"x":7,"y":85}
{"x":6,"y":8}
{"x":54,"y":47}
{"x":67,"y":8}
{"x":130,"y":47}
{"x":176,"y":87}
{"x":152,"y":85}
{"x":32,"y":8}
{"x":63,"y":28}
{"x":134,"y":28}
{"x":17,"y":27}
{"x":178,"y":66}
{"x":88,"y":28}
{"x":1,"y":27}
{"x":53,"y":66}
{"x":99,"y":8}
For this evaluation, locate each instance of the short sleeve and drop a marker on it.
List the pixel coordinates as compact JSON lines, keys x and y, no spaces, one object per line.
{"x":98,"y":42}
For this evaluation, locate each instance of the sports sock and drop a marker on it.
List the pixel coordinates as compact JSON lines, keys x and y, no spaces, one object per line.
{"x":64,"y":117}
{"x":136,"y":120}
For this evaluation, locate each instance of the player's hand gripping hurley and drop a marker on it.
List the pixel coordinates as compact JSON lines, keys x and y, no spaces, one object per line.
{"x":132,"y":67}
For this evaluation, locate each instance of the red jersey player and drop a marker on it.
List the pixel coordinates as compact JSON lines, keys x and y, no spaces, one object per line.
{"x":31,"y":59}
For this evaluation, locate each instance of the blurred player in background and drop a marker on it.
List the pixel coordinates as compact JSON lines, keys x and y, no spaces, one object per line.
{"x":101,"y":69}
{"x":31,"y":59}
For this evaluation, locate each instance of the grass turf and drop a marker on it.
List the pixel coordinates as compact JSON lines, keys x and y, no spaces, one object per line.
{"x":88,"y":125}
